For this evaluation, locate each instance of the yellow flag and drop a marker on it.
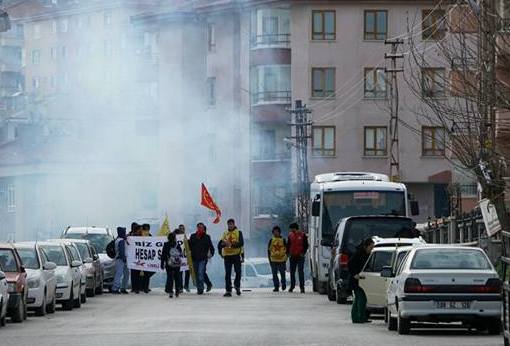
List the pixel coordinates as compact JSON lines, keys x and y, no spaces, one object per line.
{"x":165,"y":228}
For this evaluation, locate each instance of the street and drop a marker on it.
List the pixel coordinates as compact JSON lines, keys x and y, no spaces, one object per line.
{"x":260,"y":317}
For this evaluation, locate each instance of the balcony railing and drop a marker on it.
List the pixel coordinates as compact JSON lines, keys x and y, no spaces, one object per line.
{"x":263,"y":97}
{"x":271,"y":157}
{"x":264,"y":211}
{"x":271,"y":40}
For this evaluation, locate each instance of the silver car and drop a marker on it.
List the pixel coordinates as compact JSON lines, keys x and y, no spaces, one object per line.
{"x":93,"y":272}
{"x":444,"y":283}
{"x":4,"y":298}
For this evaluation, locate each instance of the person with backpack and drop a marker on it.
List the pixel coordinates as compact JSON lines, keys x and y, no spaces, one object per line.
{"x":297,"y":245}
{"x":186,"y":273}
{"x":171,"y":258}
{"x":277,"y":254}
{"x":121,"y":279}
{"x":355,"y":265}
{"x":230,"y":247}
{"x":201,"y":251}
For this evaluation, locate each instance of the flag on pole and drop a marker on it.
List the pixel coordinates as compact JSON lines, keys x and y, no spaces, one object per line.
{"x":209,"y":203}
{"x":165,"y":228}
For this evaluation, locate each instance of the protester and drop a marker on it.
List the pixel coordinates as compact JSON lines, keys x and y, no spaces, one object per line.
{"x":201,"y":250}
{"x":145,"y":276}
{"x":136,"y":231}
{"x":230,"y":247}
{"x":171,"y":257}
{"x":186,"y":273}
{"x":277,"y":254}
{"x":297,"y":245}
{"x":121,"y":269}
{"x":355,"y":265}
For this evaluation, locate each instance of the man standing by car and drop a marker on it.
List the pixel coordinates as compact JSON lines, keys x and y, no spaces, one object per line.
{"x":356,"y":264}
{"x":230,"y":247}
{"x":277,"y":254}
{"x":201,"y":250}
{"x":121,"y":269}
{"x":297,"y":245}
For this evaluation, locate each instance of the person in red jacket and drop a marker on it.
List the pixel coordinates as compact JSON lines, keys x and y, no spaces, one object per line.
{"x":297,"y":245}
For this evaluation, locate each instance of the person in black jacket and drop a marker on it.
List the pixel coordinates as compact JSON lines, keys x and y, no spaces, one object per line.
{"x":171,"y":257}
{"x":201,"y":250}
{"x":355,"y":265}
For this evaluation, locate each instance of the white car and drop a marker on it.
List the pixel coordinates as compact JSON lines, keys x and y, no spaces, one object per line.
{"x":42,"y":284}
{"x":370,"y":279}
{"x":74,"y":255}
{"x":444,"y":283}
{"x":257,"y":273}
{"x":68,"y":275}
{"x":4,"y":298}
{"x":93,"y":270}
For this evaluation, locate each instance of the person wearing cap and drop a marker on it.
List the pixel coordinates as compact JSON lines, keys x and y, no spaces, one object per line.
{"x":121,"y":269}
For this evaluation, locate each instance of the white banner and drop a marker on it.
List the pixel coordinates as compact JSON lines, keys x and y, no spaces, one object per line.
{"x":490,"y":217}
{"x":144,"y":253}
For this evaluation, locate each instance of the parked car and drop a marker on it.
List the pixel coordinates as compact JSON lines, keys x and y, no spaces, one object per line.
{"x":42,"y":284}
{"x":444,"y":284}
{"x":370,"y":279}
{"x":74,"y":254}
{"x":351,"y":231}
{"x":11,"y":265}
{"x":99,"y":237}
{"x":257,"y":273}
{"x":68,"y":274}
{"x":4,"y":298}
{"x":94,"y":272}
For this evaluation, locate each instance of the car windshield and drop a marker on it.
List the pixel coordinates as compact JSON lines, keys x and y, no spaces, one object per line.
{"x":263,"y":269}
{"x":99,"y":241}
{"x":84,"y":250}
{"x":8,"y":261}
{"x":340,"y":204}
{"x":357,"y":230}
{"x":450,"y":259}
{"x":29,"y":258}
{"x":55,"y":254}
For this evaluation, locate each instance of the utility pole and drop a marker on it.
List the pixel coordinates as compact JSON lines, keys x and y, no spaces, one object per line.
{"x":300,"y":126}
{"x":394,"y":106}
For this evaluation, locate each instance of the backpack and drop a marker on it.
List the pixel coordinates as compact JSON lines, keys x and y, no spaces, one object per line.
{"x":174,"y":257}
{"x":110,"y":249}
{"x":297,"y":243}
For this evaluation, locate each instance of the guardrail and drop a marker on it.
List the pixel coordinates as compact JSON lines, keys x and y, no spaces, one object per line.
{"x":263,"y":97}
{"x":271,"y":40}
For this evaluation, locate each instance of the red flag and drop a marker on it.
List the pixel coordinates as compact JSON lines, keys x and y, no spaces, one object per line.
{"x":208,"y":202}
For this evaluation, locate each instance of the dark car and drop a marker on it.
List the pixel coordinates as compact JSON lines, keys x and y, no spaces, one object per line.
{"x":11,"y":265}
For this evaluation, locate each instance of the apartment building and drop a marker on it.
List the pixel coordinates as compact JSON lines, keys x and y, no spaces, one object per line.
{"x":255,"y":58}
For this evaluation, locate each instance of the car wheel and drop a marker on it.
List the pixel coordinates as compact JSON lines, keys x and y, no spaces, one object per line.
{"x":77,"y":300}
{"x":331,"y":292}
{"x":403,"y":325}
{"x":83,"y":298}
{"x":17,"y":316}
{"x":25,"y":307}
{"x":392,"y":321}
{"x":314,"y":284}
{"x":52,"y":306}
{"x":494,"y":327}
{"x":68,"y":304}
{"x":99,"y":290}
{"x":2,"y":318}
{"x":91,"y":292}
{"x":41,"y":311}
{"x":339,"y":298}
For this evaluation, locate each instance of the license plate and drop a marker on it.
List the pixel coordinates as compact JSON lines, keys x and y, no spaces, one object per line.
{"x":453,"y":305}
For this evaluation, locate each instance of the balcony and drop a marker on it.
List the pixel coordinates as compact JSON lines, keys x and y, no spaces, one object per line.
{"x":271,"y":157}
{"x":271,"y":167}
{"x":270,"y":41}
{"x":271,"y":97}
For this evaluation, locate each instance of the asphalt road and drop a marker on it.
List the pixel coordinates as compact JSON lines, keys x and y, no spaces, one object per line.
{"x":256,"y":318}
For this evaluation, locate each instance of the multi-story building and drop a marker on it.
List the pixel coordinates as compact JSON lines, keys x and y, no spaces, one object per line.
{"x":254,"y":58}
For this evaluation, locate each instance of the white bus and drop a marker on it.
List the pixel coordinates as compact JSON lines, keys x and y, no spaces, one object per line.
{"x":342,"y":194}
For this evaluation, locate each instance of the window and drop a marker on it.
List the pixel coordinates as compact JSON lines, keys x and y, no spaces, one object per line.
{"x":37,"y":31}
{"x":375,"y":83}
{"x":36,"y":56}
{"x":53,"y":26}
{"x":35,"y":82}
{"x":11,"y":198}
{"x":448,"y":259}
{"x":433,"y":24}
{"x":270,"y":26}
{"x":108,"y":48}
{"x":266,"y":145}
{"x":270,"y":84}
{"x":432,"y":82}
{"x":323,"y":82}
{"x":376,"y":24}
{"x":323,"y":25}
{"x":64,"y":25}
{"x":433,"y":139}
{"x":8,"y":261}
{"x":211,"y":91}
{"x":377,"y":261}
{"x":107,"y":18}
{"x":211,"y":37}
{"x":54,"y":53}
{"x":323,"y":139}
{"x":375,"y":141}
